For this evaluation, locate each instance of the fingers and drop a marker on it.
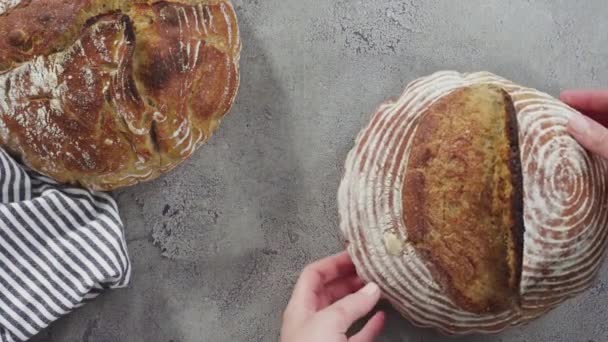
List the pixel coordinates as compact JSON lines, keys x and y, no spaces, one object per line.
{"x":316,"y":275}
{"x":312,"y":281}
{"x":342,"y":287}
{"x":343,"y":313}
{"x":371,"y":330}
{"x":331,"y":268}
{"x":590,"y":134}
{"x":326,"y":270}
{"x":593,"y":103}
{"x":587,"y":100}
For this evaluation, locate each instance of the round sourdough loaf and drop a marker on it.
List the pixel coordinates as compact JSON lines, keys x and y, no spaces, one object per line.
{"x":107,"y":94}
{"x":470,"y":205}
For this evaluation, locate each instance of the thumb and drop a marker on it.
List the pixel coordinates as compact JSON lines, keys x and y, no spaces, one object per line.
{"x":590,"y":134}
{"x":343,"y":313}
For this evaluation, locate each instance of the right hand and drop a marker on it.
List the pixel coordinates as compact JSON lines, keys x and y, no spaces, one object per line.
{"x":589,"y":132}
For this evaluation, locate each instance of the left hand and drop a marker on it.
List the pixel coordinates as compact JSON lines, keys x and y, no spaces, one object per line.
{"x":328,"y":298}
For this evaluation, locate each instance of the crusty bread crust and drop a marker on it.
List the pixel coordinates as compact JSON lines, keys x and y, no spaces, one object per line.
{"x":107,"y":94}
{"x":463,"y":200}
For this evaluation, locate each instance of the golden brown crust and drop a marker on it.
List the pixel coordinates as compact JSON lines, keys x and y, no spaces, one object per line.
{"x":110,"y":93}
{"x":463,"y":197}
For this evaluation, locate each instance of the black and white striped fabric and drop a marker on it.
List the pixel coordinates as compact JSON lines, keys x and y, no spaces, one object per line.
{"x":59,"y":247}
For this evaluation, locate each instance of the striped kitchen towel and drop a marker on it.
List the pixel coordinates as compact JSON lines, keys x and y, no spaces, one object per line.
{"x":60,"y":246}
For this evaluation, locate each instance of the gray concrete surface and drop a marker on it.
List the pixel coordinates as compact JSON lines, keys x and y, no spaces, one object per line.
{"x":217,"y":244}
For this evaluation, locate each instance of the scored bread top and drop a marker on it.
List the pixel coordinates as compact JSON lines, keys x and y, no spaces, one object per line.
{"x":110,"y":93}
{"x":462,"y":198}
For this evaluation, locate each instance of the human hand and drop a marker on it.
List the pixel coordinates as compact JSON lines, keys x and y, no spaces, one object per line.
{"x":328,"y":298}
{"x":589,"y":130}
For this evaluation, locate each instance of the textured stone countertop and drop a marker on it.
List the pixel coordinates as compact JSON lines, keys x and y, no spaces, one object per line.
{"x":217,"y":244}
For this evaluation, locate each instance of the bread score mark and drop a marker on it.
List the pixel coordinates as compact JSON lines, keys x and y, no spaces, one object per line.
{"x":463,"y":197}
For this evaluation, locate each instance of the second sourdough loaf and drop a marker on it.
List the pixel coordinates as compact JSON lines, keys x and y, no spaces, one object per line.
{"x":110,"y":93}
